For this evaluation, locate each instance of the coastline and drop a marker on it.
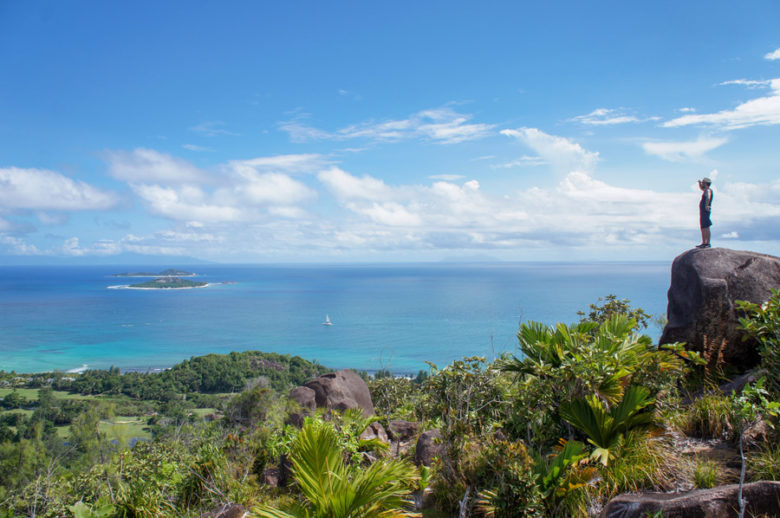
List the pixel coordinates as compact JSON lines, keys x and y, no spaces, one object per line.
{"x":129,"y":287}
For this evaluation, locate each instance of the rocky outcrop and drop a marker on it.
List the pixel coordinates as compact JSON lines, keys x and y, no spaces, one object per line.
{"x":304,"y":398}
{"x":341,"y":390}
{"x":374,"y":431}
{"x":228,"y":511}
{"x":706,"y":283}
{"x":428,"y":447}
{"x":763,"y":499}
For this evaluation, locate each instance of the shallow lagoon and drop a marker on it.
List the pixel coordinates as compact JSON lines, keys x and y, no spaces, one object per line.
{"x":385,"y":316}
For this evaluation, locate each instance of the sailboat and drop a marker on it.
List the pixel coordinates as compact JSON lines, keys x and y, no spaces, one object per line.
{"x":327,"y":321}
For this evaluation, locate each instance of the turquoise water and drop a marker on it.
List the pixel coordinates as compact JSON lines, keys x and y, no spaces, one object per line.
{"x":394,"y":316}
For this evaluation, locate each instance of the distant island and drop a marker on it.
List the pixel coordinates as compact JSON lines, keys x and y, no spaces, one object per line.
{"x":168,"y":283}
{"x":170,"y":272}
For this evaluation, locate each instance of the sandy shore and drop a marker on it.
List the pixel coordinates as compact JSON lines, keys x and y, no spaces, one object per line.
{"x":128,"y":287}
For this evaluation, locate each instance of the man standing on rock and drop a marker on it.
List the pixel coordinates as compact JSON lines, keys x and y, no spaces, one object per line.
{"x":705,"y":209}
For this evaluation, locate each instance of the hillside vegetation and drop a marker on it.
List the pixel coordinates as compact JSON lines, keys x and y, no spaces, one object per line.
{"x":582,"y":412}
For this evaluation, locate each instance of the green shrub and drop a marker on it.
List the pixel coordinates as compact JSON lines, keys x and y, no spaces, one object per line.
{"x":762,"y":322}
{"x":513,"y":486}
{"x":709,"y":417}
{"x":765,"y":463}
{"x":706,"y":474}
{"x":644,"y":462}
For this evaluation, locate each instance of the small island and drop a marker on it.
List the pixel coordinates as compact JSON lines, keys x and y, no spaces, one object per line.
{"x":170,"y":272}
{"x":168,"y":283}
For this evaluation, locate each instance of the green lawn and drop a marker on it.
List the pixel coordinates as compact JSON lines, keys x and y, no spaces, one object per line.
{"x":124,"y":428}
{"x":32,"y":394}
{"x":202,"y":412}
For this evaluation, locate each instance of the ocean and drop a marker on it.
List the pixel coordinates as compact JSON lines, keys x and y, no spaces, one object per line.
{"x":396,"y":317}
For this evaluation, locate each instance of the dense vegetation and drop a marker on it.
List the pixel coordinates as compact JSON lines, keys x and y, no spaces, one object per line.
{"x":583,"y":412}
{"x":166,"y":283}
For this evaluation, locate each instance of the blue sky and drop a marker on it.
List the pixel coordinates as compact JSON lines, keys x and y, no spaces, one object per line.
{"x":357,"y":131}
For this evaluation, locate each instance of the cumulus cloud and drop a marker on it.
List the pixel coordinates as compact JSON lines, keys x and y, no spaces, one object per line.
{"x":272,"y":189}
{"x":185,"y":203}
{"x":150,"y":166}
{"x":756,"y":112}
{"x":41,"y":189}
{"x":683,"y":150}
{"x":442,"y":125}
{"x":17,"y":246}
{"x":772,"y":56}
{"x":564,"y":154}
{"x":173,"y":188}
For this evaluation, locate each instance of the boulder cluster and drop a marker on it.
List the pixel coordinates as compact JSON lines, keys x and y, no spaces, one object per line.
{"x":344,"y":389}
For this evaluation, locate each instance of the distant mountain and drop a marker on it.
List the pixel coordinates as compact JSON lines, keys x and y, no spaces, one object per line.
{"x":125,"y":259}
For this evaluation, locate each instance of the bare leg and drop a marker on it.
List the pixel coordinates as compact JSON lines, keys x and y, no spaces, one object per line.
{"x":705,"y":235}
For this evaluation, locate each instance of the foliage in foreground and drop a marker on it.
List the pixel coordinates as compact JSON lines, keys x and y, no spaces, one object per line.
{"x":334,"y":487}
{"x":544,"y":434}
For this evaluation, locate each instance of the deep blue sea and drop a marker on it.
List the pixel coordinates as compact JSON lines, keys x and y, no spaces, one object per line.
{"x":384,"y":316}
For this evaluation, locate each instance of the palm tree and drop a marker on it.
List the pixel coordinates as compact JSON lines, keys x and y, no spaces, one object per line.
{"x":587,"y":358}
{"x":333,"y":488}
{"x":605,"y":427}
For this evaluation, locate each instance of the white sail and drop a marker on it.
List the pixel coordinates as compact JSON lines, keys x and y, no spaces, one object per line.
{"x":327,"y":321}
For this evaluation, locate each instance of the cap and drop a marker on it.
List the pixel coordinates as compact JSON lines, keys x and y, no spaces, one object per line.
{"x":706,"y":180}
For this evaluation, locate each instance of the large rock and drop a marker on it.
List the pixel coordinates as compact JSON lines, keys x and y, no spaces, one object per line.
{"x":705,"y":285}
{"x":304,"y":397}
{"x":763,"y":499}
{"x":428,"y":447}
{"x":342,"y":390}
{"x":228,"y":511}
{"x":374,"y":431}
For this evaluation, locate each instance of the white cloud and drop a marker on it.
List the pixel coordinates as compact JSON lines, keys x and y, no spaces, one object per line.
{"x":345,"y":186}
{"x":272,"y":189}
{"x":446,"y":177}
{"x":605,"y":117}
{"x":186,"y":203}
{"x":564,"y":154}
{"x":174,"y":188}
{"x":730,"y":235}
{"x":521,"y":162}
{"x":150,"y":166}
{"x":760,"y":111}
{"x":302,"y":163}
{"x":193,"y":147}
{"x":443,"y":125}
{"x":687,"y":109}
{"x":17,"y":246}
{"x":212,"y":129}
{"x":41,"y":189}
{"x":685,"y":150}
{"x":772,"y":56}
{"x":750,"y":83}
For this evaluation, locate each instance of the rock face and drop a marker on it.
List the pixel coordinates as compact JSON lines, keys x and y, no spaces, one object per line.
{"x":705,"y":285}
{"x":341,"y":390}
{"x":763,"y":499}
{"x":228,"y":511}
{"x":374,"y":431}
{"x":427,"y":447}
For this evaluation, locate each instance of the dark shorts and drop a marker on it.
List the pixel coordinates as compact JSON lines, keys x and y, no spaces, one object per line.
{"x":704,"y":219}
